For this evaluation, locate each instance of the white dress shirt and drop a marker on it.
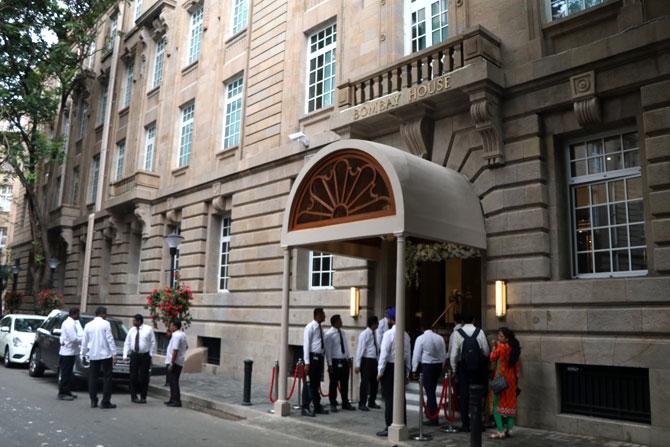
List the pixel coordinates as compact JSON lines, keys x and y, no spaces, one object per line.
{"x":70,"y":337}
{"x":387,"y":353}
{"x":313,"y":341}
{"x":147,"y":341}
{"x":452,"y":339}
{"x":383,"y":327}
{"x":469,"y":329}
{"x":177,"y":343}
{"x":333,"y":346}
{"x":98,"y":341}
{"x":429,"y":348}
{"x":368,"y":347}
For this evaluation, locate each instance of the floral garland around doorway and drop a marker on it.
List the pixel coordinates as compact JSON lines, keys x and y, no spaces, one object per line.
{"x":432,"y":252}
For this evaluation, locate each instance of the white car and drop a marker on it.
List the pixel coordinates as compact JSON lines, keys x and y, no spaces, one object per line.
{"x":17,"y":335}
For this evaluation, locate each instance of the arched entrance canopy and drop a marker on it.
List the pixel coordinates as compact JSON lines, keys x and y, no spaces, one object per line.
{"x":354,"y":189}
{"x":352,"y":193}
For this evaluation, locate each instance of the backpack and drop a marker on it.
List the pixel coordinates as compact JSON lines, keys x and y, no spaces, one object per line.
{"x":471,"y":354}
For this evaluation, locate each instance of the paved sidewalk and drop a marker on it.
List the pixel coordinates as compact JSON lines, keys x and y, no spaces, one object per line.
{"x":222,"y":397}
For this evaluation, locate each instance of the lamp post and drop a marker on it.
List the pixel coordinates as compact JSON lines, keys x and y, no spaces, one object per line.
{"x":4,"y":270}
{"x":173,"y":240}
{"x":15,"y":277}
{"x":53,"y":265}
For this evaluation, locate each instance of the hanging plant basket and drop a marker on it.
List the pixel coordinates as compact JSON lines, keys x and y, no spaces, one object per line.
{"x":48,"y":300}
{"x":416,"y":253}
{"x":170,"y":303}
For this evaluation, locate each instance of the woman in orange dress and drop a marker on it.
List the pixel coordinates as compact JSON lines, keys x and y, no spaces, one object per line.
{"x":506,"y":359}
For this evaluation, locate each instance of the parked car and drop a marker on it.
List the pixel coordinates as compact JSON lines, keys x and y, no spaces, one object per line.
{"x":44,"y":354}
{"x":17,"y":334}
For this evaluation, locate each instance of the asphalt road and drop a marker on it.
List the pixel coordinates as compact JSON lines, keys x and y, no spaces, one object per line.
{"x":32,"y":416}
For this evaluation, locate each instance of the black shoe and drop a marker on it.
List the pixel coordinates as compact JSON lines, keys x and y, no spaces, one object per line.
{"x":333,"y":408}
{"x":107,"y":406}
{"x":384,"y":433}
{"x":374,"y":406}
{"x":94,"y":403}
{"x":134,"y":400}
{"x":74,"y":396}
{"x":307,"y":412}
{"x":167,"y":402}
{"x":174,"y":404}
{"x":65,"y":397}
{"x":363,"y":408}
{"x":348,"y":407}
{"x":321,"y":410}
{"x":142,"y":401}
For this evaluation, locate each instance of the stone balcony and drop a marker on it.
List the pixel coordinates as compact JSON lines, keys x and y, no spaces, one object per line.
{"x":141,"y":186}
{"x":460,"y":74}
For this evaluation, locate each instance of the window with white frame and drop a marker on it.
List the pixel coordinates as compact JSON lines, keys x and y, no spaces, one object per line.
{"x":175,"y":260}
{"x":233,"y":106}
{"x":240,"y":11}
{"x":608,"y":233}
{"x":159,"y":57}
{"x":149,"y":145}
{"x":320,"y":270}
{"x":55,"y":202}
{"x":557,"y":9}
{"x":128,"y":89}
{"x":6,"y":197}
{"x":75,"y":185}
{"x":102,"y":105}
{"x":224,"y":254}
{"x":138,"y":9}
{"x":94,"y":174}
{"x":66,"y":130}
{"x":195,"y":34}
{"x":120,"y":159}
{"x":186,"y":134}
{"x":109,"y":44}
{"x":322,"y":46}
{"x":83,"y":118}
{"x":3,"y":238}
{"x":90,"y":63}
{"x":427,"y":23}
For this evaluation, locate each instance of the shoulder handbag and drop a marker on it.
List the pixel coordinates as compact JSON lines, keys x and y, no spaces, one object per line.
{"x":498,"y":385}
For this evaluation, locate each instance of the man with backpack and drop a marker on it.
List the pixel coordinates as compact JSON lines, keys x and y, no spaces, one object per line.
{"x":468,"y":357}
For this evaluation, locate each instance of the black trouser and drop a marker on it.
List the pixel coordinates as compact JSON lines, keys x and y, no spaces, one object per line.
{"x":140,"y":364}
{"x":465,"y":379}
{"x":387,"y":394}
{"x":106,"y":366}
{"x":65,"y":366}
{"x":310,"y":394}
{"x":431,"y":375}
{"x":339,"y":375}
{"x":173,"y":379}
{"x":368,"y":390}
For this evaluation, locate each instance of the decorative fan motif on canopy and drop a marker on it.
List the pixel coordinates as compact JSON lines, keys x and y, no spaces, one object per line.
{"x":347,"y":186}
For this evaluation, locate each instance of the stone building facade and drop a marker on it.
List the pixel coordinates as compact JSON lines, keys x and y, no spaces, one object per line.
{"x":556,"y":111}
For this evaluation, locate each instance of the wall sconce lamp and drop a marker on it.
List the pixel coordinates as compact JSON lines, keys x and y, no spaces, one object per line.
{"x":354,"y":302}
{"x":501,"y":299}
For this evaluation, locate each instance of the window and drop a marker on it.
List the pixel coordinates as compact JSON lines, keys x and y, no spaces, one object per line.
{"x":320,"y":270}
{"x":213,"y":346}
{"x":557,"y":9}
{"x":91,"y":56}
{"x":94,"y":173}
{"x":55,"y":202}
{"x":112,"y":33}
{"x":159,"y":55}
{"x":186,"y":134}
{"x":195,"y":34}
{"x":3,"y":238}
{"x":231,"y":132}
{"x":149,"y":144}
{"x":607,"y":208}
{"x":428,"y":23}
{"x":83,"y":118}
{"x":224,"y":254}
{"x":240,"y":10}
{"x":120,"y":158}
{"x":128,"y":89}
{"x":75,"y":185}
{"x":175,"y":259}
{"x":138,"y":9}
{"x":5,"y":197}
{"x":321,"y":69}
{"x":102,"y":105}
{"x":66,"y":131}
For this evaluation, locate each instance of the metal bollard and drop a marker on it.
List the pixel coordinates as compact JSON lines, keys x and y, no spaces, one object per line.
{"x":421,"y":436}
{"x":248,"y":367}
{"x":275,"y":385}
{"x":301,"y":366}
{"x":448,"y":428}
{"x":475,"y":410}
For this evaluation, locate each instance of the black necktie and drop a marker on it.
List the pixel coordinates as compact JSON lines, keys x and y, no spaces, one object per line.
{"x":321,"y":337}
{"x":341,"y":340}
{"x":374,"y":340}
{"x":137,"y":340}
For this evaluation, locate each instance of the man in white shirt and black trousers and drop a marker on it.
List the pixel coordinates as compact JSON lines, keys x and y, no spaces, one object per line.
{"x":99,"y":347}
{"x":384,"y":325}
{"x":385,"y":368}
{"x":70,"y":339}
{"x":339,"y":363}
{"x":313,"y":351}
{"x":430,"y":354}
{"x":365,"y":363}
{"x":174,"y":358}
{"x":141,"y":345}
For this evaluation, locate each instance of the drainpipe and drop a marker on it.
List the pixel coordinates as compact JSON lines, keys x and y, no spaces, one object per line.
{"x":103,"y":157}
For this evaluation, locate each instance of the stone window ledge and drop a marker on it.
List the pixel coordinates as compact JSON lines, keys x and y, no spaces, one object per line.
{"x":581,"y":19}
{"x":189,"y":68}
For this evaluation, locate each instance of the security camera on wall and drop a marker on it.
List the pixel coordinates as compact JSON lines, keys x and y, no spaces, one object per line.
{"x":301,"y":137}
